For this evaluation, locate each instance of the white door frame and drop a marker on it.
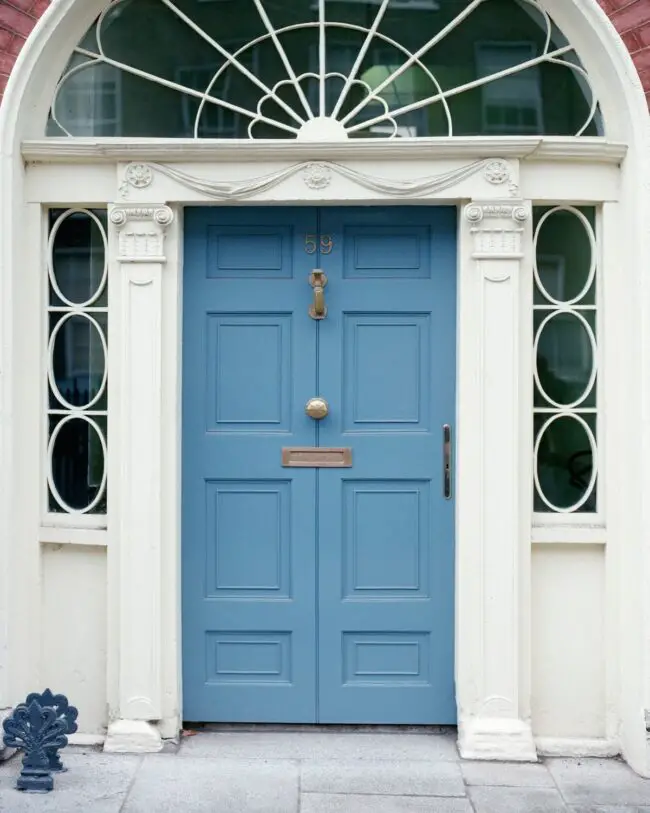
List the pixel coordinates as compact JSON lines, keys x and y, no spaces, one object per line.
{"x":494,"y":423}
{"x":494,"y":523}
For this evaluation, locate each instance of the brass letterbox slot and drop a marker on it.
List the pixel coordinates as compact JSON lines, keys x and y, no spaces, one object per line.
{"x":315,"y":457}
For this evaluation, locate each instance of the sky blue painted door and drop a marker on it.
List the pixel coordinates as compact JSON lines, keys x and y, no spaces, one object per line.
{"x":318,"y":595}
{"x":249,"y":544}
{"x":386,"y":553}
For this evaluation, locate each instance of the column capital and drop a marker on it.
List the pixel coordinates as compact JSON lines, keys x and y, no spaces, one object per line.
{"x":141,"y":231}
{"x":497,"y":227}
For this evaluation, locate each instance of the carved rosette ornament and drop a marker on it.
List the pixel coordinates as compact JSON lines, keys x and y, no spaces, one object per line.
{"x":141,"y":232}
{"x":497,"y":228}
{"x":136,"y":176}
{"x":317,"y":176}
{"x":497,"y":172}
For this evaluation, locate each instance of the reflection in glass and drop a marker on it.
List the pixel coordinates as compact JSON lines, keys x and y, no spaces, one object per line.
{"x":222,"y":69}
{"x":78,"y":261}
{"x":77,"y":363}
{"x":77,"y":464}
{"x":566,"y":359}
{"x":564,"y":256}
{"x":78,"y":360}
{"x":565,"y":462}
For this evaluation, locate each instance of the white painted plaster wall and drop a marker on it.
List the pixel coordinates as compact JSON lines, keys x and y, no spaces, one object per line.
{"x":73,"y":629}
{"x":568,"y":641}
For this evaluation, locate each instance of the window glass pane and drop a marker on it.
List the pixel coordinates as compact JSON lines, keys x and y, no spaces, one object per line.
{"x":223,"y":69}
{"x":565,"y":464}
{"x":77,"y":465}
{"x":565,"y":358}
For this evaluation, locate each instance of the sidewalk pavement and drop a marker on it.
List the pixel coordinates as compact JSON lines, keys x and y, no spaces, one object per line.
{"x":325,"y":772}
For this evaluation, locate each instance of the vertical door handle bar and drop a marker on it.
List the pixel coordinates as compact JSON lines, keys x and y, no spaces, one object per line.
{"x":446,"y":461}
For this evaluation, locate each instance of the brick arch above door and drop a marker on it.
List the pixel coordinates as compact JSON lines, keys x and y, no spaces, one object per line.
{"x":630,"y":17}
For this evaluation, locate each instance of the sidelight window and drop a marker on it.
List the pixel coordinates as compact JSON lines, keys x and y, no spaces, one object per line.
{"x":566,"y":360}
{"x":77,"y":370}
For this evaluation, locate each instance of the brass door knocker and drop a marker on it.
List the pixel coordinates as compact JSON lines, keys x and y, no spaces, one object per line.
{"x":318,"y":281}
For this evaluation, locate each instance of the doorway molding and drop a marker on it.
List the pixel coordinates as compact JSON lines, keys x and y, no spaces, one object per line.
{"x":495,"y":246}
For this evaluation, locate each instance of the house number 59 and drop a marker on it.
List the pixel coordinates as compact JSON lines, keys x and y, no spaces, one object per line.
{"x":311,"y":243}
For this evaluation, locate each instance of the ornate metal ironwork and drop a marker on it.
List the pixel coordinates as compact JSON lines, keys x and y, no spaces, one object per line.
{"x":64,"y":711}
{"x":309,"y":115}
{"x":78,"y":313}
{"x":566,"y":402}
{"x":36,"y":730}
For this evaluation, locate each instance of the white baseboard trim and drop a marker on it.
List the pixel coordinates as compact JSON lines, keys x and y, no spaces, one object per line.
{"x":577,"y":747}
{"x":498,"y":739}
{"x":132,"y":737}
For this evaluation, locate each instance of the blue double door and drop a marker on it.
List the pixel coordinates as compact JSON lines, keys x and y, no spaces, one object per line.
{"x":310,"y":594}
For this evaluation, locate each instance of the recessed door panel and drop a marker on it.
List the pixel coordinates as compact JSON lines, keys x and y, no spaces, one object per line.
{"x":386,"y":370}
{"x":258,"y":344}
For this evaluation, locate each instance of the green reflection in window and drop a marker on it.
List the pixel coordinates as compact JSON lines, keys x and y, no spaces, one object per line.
{"x":263,"y":68}
{"x":565,"y":322}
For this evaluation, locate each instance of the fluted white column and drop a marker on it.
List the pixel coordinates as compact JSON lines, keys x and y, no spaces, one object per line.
{"x":492,"y":543}
{"x":135,"y":436}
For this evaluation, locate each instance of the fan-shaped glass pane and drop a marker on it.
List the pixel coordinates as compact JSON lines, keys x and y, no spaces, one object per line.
{"x":371,"y":68}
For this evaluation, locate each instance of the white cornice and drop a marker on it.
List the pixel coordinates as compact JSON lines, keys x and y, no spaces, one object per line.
{"x":90,"y":150}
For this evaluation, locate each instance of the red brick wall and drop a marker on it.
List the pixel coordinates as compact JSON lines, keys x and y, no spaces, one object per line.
{"x":631,"y":18}
{"x":632,"y":21}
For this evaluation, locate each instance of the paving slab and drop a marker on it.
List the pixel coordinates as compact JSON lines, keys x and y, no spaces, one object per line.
{"x":516,"y":800}
{"x":599,"y":782}
{"x":95,"y":782}
{"x":383,"y":778}
{"x":321,"y":746}
{"x":507,"y":774}
{"x":609,"y":809}
{"x":333,"y":803}
{"x":166,"y":783}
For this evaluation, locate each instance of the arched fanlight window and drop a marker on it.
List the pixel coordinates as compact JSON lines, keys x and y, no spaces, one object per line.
{"x":324,"y":70}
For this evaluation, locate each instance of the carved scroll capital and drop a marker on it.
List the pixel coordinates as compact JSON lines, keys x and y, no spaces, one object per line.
{"x":497,"y":228}
{"x":141,"y":231}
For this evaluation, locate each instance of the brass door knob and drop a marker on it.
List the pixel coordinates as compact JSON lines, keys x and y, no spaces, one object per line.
{"x":317,"y":408}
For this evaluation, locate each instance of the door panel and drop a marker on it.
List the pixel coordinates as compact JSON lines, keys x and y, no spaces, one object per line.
{"x":387,"y":366}
{"x":249,"y":547}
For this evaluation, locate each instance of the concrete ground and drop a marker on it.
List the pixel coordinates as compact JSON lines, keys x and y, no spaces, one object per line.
{"x":325,"y":772}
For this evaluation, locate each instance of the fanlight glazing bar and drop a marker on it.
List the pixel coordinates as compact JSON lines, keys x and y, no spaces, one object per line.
{"x":359,"y":60}
{"x":182,"y":89}
{"x":312,"y":119}
{"x":462,"y":88}
{"x":413,"y":58}
{"x":230,"y":58}
{"x":346,"y":26}
{"x":322,"y":57}
{"x":283,"y":56}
